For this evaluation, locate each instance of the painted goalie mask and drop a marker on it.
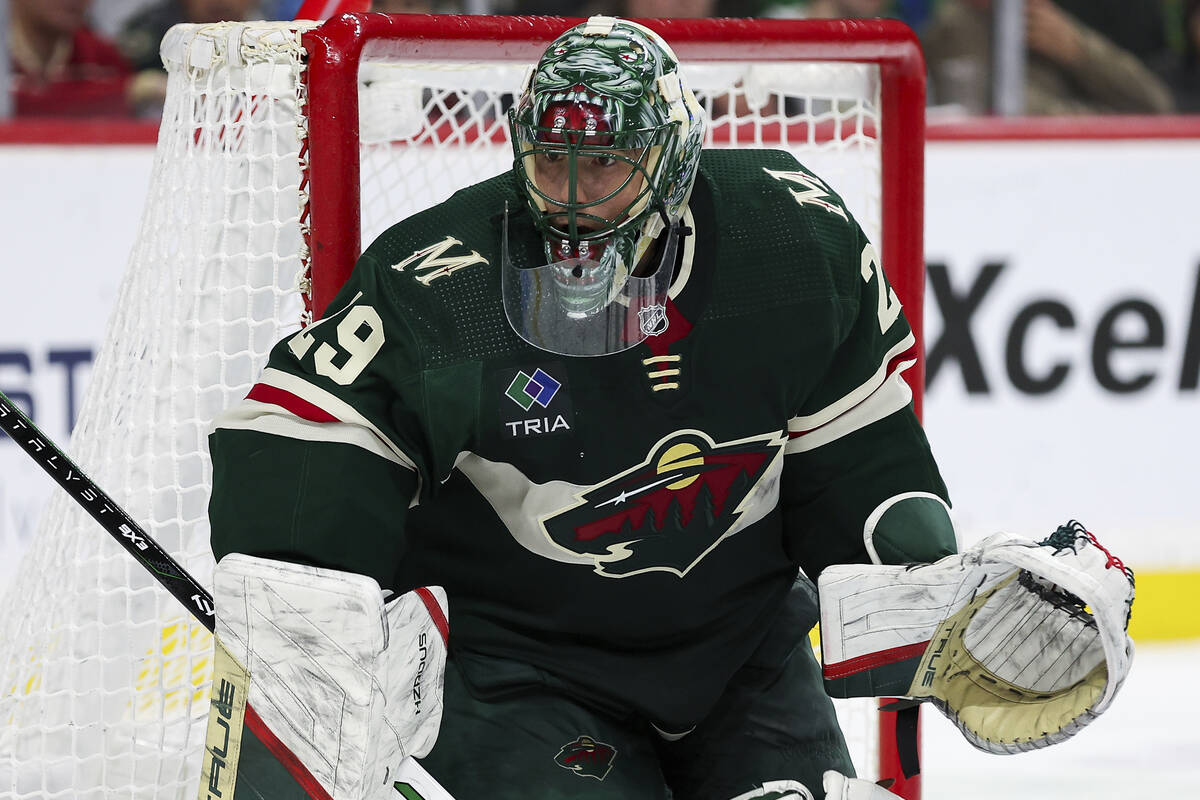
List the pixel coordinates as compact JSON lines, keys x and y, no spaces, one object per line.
{"x":606,"y":141}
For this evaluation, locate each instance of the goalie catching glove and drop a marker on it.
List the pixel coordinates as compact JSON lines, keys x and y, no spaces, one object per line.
{"x":1019,"y":643}
{"x":320,"y":688}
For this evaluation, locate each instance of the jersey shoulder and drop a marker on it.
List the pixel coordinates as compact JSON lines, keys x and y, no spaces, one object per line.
{"x":762,"y":178}
{"x":782,"y":229}
{"x":440,"y":269}
{"x":470,"y":213}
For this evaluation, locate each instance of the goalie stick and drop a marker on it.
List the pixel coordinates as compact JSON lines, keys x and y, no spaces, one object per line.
{"x":413,"y":781}
{"x":102,"y":508}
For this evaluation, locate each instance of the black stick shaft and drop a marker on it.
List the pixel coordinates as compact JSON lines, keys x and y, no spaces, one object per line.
{"x":174,"y":578}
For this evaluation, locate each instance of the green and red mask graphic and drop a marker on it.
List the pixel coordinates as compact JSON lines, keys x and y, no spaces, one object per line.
{"x":608,"y":89}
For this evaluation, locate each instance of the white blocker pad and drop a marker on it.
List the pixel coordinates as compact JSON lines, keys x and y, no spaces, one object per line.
{"x":412,"y":782}
{"x":350,"y":685}
{"x":1019,"y":643}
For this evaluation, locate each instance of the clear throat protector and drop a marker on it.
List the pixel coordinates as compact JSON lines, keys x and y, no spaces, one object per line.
{"x":588,"y":301}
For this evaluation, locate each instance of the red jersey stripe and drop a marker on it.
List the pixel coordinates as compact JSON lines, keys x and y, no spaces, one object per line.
{"x":298,"y":406}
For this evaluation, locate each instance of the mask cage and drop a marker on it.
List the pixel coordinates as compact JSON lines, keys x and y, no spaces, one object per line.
{"x":655,"y":149}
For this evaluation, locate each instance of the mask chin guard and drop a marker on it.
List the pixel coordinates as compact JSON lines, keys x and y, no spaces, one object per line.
{"x":590,"y":304}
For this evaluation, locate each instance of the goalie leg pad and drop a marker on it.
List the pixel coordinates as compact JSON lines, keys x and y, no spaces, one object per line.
{"x":1020,"y":643}
{"x":778,"y":790}
{"x":349,"y":684}
{"x":838,"y":787}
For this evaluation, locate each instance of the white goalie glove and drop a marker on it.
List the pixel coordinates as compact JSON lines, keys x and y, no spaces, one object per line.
{"x":1019,"y":643}
{"x":342,"y":687}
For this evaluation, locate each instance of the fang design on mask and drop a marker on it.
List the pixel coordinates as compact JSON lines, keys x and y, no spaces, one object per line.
{"x":606,"y":141}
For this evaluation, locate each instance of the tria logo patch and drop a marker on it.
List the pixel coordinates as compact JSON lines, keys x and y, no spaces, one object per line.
{"x":671,"y":510}
{"x":587,"y":757}
{"x":536,"y":402}
{"x":525,"y":390}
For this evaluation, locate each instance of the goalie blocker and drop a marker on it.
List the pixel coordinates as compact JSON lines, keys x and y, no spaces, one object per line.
{"x":320,"y":688}
{"x":1019,"y":643}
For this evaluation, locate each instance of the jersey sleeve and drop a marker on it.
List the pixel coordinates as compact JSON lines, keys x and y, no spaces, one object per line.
{"x":859,"y":481}
{"x":321,"y":461}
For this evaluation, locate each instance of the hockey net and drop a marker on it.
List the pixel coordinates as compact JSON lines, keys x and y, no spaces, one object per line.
{"x":285,"y":147}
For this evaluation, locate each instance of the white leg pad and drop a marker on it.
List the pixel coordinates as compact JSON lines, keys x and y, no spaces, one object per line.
{"x":349,"y":684}
{"x":777,"y":790}
{"x":839,"y":787}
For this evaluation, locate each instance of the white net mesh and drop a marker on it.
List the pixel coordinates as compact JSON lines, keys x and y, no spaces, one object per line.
{"x":104,"y":679}
{"x":433,"y":129}
{"x":104,"y":676}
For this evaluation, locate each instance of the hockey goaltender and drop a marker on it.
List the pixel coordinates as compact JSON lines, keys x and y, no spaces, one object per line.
{"x":530,"y":513}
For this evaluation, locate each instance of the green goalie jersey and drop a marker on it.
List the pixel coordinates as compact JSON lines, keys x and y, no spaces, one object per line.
{"x":622,"y":527}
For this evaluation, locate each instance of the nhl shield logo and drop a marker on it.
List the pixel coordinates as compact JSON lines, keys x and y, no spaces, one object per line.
{"x":653,"y":320}
{"x":588,"y":757}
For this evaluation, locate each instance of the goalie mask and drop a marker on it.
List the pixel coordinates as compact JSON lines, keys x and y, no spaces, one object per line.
{"x":606,"y":141}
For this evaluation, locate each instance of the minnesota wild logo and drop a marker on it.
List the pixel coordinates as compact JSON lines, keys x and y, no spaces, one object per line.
{"x":587,"y":757}
{"x":668,"y":512}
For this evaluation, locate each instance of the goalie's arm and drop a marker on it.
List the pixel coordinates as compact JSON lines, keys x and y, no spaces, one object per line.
{"x":860,"y":483}
{"x":875,"y":497}
{"x":324,"y":504}
{"x":322,"y":460}
{"x":304,"y":634}
{"x":313,"y":476}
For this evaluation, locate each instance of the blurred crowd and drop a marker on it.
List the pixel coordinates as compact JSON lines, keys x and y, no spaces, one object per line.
{"x":99,"y":58}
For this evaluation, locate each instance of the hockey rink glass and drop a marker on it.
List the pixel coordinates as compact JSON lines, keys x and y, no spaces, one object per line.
{"x":584,"y":306}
